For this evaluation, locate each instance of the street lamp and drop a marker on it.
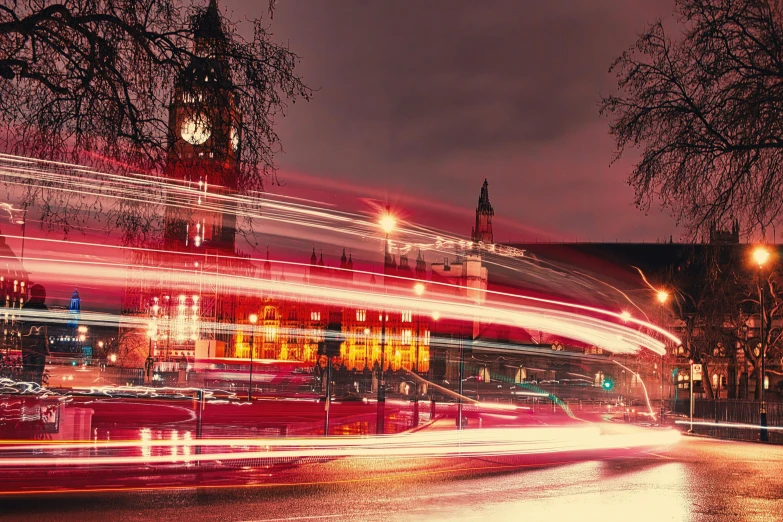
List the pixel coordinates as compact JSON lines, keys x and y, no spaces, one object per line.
{"x":152,"y":332}
{"x":418,"y":288}
{"x":253,"y":318}
{"x":387,"y":223}
{"x":760,"y":257}
{"x":663,"y":297}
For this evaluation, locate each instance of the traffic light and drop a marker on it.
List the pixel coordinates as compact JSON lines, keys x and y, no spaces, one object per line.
{"x":333,"y":336}
{"x":608,"y":384}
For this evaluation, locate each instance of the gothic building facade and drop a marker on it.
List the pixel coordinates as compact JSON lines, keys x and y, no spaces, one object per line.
{"x":15,"y":287}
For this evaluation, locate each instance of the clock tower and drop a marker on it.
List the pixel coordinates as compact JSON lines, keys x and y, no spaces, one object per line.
{"x":482,"y":231}
{"x":204,"y":145}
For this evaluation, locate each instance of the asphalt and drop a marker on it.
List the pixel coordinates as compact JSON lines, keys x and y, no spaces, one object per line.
{"x":696,"y":479}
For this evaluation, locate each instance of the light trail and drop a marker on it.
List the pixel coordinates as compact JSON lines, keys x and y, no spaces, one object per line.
{"x":435,"y":284}
{"x":468,"y":443}
{"x":646,"y":397}
{"x":610,"y":336}
{"x":738,"y":425}
{"x":145,"y":189}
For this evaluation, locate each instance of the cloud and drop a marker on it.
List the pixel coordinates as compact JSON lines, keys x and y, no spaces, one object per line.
{"x":431,"y":97}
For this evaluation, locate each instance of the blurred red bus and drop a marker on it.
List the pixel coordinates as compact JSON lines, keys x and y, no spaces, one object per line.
{"x":268,"y":375}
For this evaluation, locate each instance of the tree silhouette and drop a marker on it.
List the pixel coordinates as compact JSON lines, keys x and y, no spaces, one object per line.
{"x":706,"y":110}
{"x":91,"y":81}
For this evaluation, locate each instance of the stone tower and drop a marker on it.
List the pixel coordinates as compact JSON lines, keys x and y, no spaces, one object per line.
{"x":204,"y":145}
{"x":482,"y":230}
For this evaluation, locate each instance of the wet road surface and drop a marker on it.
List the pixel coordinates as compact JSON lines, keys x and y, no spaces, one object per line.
{"x":696,"y":479}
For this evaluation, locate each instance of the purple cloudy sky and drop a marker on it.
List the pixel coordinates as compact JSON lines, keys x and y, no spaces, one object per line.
{"x":427,"y":98}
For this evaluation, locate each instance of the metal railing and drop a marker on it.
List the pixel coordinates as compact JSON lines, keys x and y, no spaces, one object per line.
{"x":716,"y":417}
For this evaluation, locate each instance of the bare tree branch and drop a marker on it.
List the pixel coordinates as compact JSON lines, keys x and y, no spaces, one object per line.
{"x":706,"y":110}
{"x":91,"y":81}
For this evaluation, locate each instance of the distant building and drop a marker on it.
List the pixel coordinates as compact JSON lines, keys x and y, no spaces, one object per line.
{"x":626,"y":276}
{"x":482,"y":230}
{"x":15,"y":287}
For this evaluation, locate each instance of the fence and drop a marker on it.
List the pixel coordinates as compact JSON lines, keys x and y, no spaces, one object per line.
{"x":722,"y":412}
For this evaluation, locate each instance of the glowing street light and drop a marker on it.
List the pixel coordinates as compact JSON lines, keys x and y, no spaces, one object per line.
{"x":253,"y":318}
{"x":418,"y":288}
{"x":387,"y":222}
{"x":662,"y":296}
{"x":760,"y":255}
{"x":626,"y":315}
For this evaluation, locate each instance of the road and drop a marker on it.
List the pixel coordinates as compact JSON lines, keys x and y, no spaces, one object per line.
{"x":696,"y":479}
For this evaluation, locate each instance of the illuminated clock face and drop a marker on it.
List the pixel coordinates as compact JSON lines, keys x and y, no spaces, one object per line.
{"x":195,"y":130}
{"x":234,"y":139}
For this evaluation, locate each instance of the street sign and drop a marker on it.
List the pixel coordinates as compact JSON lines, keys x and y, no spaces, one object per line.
{"x":697,"y":372}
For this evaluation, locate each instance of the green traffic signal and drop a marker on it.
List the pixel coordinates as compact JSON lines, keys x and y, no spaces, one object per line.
{"x":608,"y":384}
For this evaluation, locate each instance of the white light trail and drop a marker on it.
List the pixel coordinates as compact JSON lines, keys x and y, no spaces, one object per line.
{"x":467,"y":443}
{"x":590,"y":330}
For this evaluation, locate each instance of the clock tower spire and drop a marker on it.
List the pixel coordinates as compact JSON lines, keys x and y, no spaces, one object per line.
{"x":482,"y":231}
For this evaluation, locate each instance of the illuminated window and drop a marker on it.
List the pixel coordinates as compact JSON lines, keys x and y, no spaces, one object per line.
{"x":406,"y":337}
{"x":426,"y":339}
{"x":361,"y":315}
{"x":406,"y":316}
{"x":270,"y":333}
{"x":315,"y":316}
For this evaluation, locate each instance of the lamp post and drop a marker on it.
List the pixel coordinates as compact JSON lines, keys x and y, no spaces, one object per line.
{"x":418,"y":288}
{"x":387,"y":223}
{"x":253,"y":318}
{"x":367,"y":357}
{"x":151,"y":333}
{"x":461,"y":379}
{"x":663,"y":297}
{"x":761,"y":256}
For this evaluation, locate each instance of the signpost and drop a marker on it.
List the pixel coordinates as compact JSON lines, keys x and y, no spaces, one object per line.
{"x":696,"y":374}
